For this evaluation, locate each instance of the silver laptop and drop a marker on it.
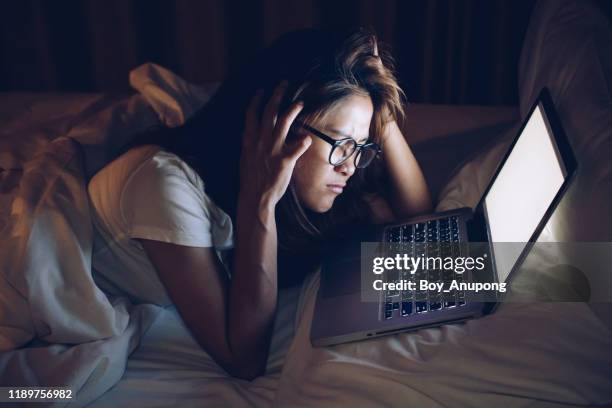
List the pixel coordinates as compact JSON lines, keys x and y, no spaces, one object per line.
{"x":535,"y":172}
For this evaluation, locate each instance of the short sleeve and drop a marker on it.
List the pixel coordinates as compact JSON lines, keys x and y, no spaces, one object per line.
{"x":164,"y":201}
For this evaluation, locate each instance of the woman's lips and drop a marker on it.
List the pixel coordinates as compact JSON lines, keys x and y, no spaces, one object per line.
{"x":336,"y":188}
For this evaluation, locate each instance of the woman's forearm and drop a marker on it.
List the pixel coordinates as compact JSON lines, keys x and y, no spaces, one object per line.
{"x":253,"y":287}
{"x":266,"y":167}
{"x":410,"y":194}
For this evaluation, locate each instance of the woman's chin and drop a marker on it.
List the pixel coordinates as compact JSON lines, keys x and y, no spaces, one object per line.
{"x":322,"y":205}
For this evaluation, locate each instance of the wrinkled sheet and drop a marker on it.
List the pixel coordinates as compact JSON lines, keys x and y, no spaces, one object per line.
{"x":56,"y":327}
{"x":89,"y":369}
{"x":169,"y":367}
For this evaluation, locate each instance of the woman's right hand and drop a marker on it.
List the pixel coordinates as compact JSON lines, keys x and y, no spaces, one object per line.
{"x":267,"y":161}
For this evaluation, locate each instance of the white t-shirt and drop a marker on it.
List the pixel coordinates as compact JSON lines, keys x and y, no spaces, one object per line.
{"x":151,"y":194}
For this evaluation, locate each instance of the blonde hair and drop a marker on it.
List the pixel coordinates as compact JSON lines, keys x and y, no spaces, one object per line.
{"x":357,"y":67}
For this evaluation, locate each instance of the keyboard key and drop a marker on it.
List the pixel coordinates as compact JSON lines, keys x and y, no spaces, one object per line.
{"x":421,"y":307}
{"x":394,"y":235}
{"x":406,"y":308}
{"x":407,"y":233}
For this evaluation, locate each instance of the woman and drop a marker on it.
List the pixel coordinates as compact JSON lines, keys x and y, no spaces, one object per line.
{"x":311,"y":160}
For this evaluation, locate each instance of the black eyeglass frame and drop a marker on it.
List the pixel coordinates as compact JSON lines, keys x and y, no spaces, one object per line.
{"x":335,"y":143}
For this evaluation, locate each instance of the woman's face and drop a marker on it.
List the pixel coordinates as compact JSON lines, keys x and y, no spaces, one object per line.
{"x":316,"y":181}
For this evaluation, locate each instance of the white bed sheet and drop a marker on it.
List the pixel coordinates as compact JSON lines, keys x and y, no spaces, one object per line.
{"x":526,"y":354}
{"x":169,"y":368}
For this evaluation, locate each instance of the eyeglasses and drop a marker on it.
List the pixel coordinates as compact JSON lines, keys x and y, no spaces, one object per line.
{"x":343,"y":149}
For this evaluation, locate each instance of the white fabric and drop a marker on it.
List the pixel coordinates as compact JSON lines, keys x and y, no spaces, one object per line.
{"x":150,"y":194}
{"x":89,"y":369}
{"x":544,"y":354}
{"x":170,"y":368}
{"x":173,"y":98}
{"x":470,"y":181}
{"x":46,"y":249}
{"x":47,"y":294}
{"x":569,"y":50}
{"x":100,"y":123}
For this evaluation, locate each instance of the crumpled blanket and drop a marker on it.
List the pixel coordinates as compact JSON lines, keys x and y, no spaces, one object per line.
{"x":57,"y":328}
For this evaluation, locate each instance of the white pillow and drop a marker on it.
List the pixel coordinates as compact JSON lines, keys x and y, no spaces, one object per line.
{"x":467,"y":185}
{"x":568,"y":48}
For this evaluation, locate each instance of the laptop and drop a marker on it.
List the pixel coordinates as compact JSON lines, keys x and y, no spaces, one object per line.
{"x":522,"y":195}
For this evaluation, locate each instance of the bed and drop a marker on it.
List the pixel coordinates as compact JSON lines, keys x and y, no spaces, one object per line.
{"x":58,"y":329}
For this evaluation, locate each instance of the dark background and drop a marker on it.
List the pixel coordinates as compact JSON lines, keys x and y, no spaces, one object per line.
{"x":447,"y":51}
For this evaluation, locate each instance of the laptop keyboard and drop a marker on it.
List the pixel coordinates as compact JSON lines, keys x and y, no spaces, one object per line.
{"x":433,"y":238}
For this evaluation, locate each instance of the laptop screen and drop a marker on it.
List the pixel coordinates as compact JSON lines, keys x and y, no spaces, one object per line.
{"x":523,"y":190}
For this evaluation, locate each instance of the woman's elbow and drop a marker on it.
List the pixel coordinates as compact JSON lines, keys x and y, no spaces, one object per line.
{"x":421,"y":205}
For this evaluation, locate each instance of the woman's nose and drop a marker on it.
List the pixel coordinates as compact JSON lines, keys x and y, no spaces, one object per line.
{"x":347,"y":168}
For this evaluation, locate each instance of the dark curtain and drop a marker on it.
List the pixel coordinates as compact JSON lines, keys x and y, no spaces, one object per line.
{"x":447,"y":51}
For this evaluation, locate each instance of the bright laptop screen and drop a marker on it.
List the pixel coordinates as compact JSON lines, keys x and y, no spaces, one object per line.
{"x":524,"y":189}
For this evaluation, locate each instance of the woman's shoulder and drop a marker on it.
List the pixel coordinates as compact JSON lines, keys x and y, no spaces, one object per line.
{"x":142,"y":172}
{"x":108,"y":183}
{"x":145,"y":161}
{"x":163,"y":165}
{"x":125,"y":164}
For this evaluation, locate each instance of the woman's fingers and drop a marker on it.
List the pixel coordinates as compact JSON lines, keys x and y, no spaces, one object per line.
{"x":283,"y":124}
{"x":271,"y":129}
{"x":251,"y":120}
{"x":268,"y":120}
{"x":298,"y":148}
{"x":268,"y":165}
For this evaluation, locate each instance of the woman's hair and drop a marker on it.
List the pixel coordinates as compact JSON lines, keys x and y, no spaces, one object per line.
{"x":322,"y":69}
